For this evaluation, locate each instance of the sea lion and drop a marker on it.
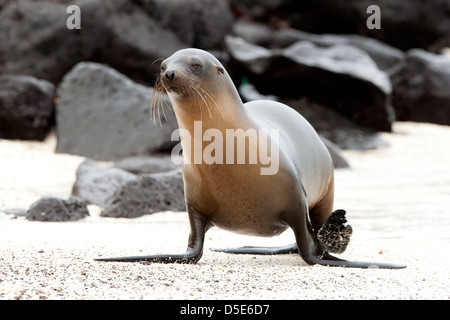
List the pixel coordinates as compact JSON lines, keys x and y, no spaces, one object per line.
{"x":238,"y":197}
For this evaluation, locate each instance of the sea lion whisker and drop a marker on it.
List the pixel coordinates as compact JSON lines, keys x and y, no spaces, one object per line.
{"x":188,"y":93}
{"x":158,"y":106}
{"x":158,"y":91}
{"x":212,"y":100}
{"x":207,"y":106}
{"x":203,"y":100}
{"x":159,"y":113}
{"x":162,"y":104}
{"x":195,"y":91}
{"x":195,"y":95}
{"x":153,"y":102}
{"x":199,"y":101}
{"x":164,"y":101}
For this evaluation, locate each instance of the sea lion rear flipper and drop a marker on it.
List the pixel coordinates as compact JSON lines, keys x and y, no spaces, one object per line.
{"x":311,"y":249}
{"x":199,"y":226}
{"x":329,"y":260}
{"x":289,"y":249}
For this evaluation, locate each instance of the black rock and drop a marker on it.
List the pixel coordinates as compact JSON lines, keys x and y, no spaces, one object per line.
{"x":147,"y":164}
{"x":148,"y":194}
{"x":35,"y":39}
{"x":16,"y":212}
{"x":342,"y":77}
{"x":260,"y":34}
{"x":26,"y":107}
{"x":404,"y":24}
{"x":422,"y":88}
{"x":335,"y":127}
{"x":135,"y":41}
{"x":55,"y":209}
{"x":383,"y":55}
{"x":3,"y":3}
{"x":339,"y":161}
{"x":103,"y":115}
{"x":96,"y":185}
{"x":197,"y":23}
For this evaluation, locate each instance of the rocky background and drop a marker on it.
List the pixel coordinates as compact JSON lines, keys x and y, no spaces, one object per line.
{"x":93,"y":86}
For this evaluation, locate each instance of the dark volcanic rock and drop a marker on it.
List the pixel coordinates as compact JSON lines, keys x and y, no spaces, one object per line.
{"x":147,"y":164}
{"x":404,"y":24}
{"x":55,"y":209}
{"x":26,"y":107}
{"x":335,"y":127}
{"x":16,"y":212}
{"x":148,"y":194}
{"x":103,"y":115}
{"x":422,"y":88}
{"x":382,"y":54}
{"x":342,"y":77}
{"x":35,"y":39}
{"x":135,"y":41}
{"x":96,"y":185}
{"x":339,"y":161}
{"x":197,"y":23}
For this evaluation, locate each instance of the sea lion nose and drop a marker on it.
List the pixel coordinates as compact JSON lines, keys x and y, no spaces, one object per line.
{"x":170,"y":75}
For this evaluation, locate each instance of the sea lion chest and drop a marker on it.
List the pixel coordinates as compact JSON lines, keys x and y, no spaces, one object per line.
{"x":238,"y":198}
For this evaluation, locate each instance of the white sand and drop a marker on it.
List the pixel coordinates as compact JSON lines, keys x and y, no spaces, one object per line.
{"x":397,"y":199}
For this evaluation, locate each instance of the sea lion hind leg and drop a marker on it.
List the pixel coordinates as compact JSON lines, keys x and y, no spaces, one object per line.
{"x":289,"y":249}
{"x":199,"y":226}
{"x":313,"y":252}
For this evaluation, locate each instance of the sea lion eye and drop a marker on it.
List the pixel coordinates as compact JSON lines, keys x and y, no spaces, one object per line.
{"x":220,"y":70}
{"x":163,"y":68}
{"x":196,"y":66}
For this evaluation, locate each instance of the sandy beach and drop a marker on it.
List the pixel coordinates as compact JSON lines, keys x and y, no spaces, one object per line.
{"x":397,"y":200}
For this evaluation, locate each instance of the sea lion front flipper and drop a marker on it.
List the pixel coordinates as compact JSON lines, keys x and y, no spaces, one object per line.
{"x":289,"y":249}
{"x":199,"y":226}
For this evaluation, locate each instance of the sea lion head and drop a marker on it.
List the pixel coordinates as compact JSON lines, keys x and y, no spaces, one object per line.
{"x":191,"y":69}
{"x":196,"y":83}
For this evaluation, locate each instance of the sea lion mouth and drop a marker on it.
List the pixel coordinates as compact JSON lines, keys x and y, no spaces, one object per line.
{"x":186,"y":87}
{"x":175,"y":89}
{"x":180,"y":84}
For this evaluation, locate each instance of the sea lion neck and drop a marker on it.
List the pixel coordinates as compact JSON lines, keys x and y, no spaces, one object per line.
{"x":221,"y":112}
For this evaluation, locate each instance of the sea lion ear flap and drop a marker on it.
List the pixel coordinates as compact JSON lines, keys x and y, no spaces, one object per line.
{"x":220,"y":70}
